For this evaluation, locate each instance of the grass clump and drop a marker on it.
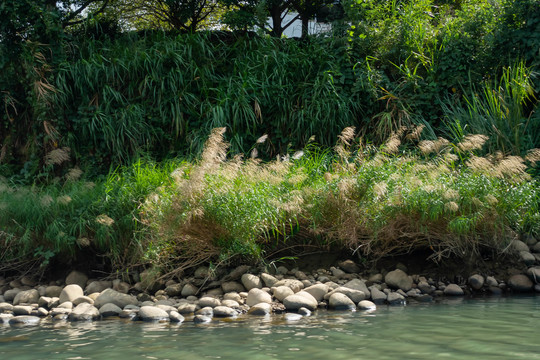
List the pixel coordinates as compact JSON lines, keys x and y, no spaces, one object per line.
{"x":357,"y":197}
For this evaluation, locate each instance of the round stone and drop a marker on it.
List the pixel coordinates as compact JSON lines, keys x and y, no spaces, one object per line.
{"x":152,"y":313}
{"x":341,"y":301}
{"x":453,"y":290}
{"x":256,"y":296}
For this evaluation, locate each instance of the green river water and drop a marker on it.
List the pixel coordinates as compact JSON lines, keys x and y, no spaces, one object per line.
{"x":490,"y":328}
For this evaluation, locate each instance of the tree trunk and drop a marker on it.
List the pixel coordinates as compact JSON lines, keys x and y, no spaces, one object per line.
{"x":305,"y":26}
{"x":277,"y":29}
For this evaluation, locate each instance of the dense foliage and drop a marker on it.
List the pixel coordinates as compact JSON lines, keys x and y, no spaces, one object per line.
{"x":89,"y":88}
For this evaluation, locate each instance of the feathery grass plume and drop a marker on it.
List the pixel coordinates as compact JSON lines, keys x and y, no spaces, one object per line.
{"x":344,"y":141}
{"x":477,"y":202}
{"x":416,"y":132}
{"x":328,"y":177}
{"x":451,"y":206}
{"x":89,"y":185}
{"x":46,"y":201}
{"x":491,"y":200}
{"x":380,"y":189}
{"x":83,"y":242}
{"x":513,"y":167}
{"x":433,"y":146}
{"x":254,"y":153}
{"x":104,"y":220}
{"x":533,"y":155}
{"x":297,"y":155}
{"x":472,"y":142}
{"x":57,"y":156}
{"x":480,"y":164}
{"x":262,"y":139}
{"x":449,"y":158}
{"x":391,"y":146}
{"x":451,"y":194}
{"x":63,"y":200}
{"x":74,"y":174}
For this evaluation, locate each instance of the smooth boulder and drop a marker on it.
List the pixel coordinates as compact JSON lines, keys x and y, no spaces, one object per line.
{"x":115,"y":297}
{"x":398,"y":279}
{"x":300,"y":299}
{"x":152,"y":313}
{"x":70,"y":293}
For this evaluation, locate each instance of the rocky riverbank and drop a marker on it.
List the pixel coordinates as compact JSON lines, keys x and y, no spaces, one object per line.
{"x":242,"y":291}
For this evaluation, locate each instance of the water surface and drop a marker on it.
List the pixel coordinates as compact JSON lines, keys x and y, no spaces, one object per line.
{"x":492,"y":328}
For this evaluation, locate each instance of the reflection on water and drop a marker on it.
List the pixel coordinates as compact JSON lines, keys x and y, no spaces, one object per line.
{"x":494,"y":328}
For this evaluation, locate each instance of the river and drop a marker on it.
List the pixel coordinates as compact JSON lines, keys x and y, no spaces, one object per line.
{"x":486,"y":328}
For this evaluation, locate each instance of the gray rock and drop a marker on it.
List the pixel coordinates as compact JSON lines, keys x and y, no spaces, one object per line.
{"x":174,"y":290}
{"x":476,"y":281}
{"x":534,"y":274}
{"x":453,"y":290}
{"x":495,"y":290}
{"x":4,"y":307}
{"x":206,"y":311}
{"x":293,"y":284}
{"x":425,"y":287}
{"x":70,"y":293}
{"x":230,"y":303}
{"x":376,"y":278}
{"x":202,"y":272}
{"x":536,"y":248}
{"x":26,"y":297}
{"x":528,"y":258}
{"x":341,"y":301}
{"x":201,"y":319}
{"x":109,"y":309}
{"x":175,"y":317}
{"x":269,"y":280}
{"x":97,"y":286}
{"x":237,"y":273}
{"x":152,"y":313}
{"x":66,"y":305}
{"x":256,"y":296}
{"x":224,"y":311}
{"x":518,"y":246}
{"x":366,"y":305}
{"x":115,"y":297}
{"x":292,"y":317}
{"x":54,"y":302}
{"x":232,"y":286}
{"x":57,"y":310}
{"x":251,"y":281}
{"x":318,"y":291}
{"x":261,"y":309}
{"x":189,"y":290}
{"x":83,"y":299}
{"x":77,"y":277}
{"x":353,"y":294}
{"x":304,"y":312}
{"x":25,"y":320}
{"x":520,"y":283}
{"x":166,"y":308}
{"x":398,"y":279}
{"x":337,"y":273}
{"x":537,"y":288}
{"x":357,"y":284}
{"x":377,"y":296}
{"x":491,"y":281}
{"x":53,"y":291}
{"x":121,"y":286}
{"x":300,"y":299}
{"x":349,"y":266}
{"x":10,"y":294}
{"x":233,"y":296}
{"x":4,"y":318}
{"x":395,"y":298}
{"x":84,"y":312}
{"x":187,"y":308}
{"x":28,"y":281}
{"x":282,"y":270}
{"x":43,"y":301}
{"x":208,"y":301}
{"x":22,"y":310}
{"x":281,"y":292}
